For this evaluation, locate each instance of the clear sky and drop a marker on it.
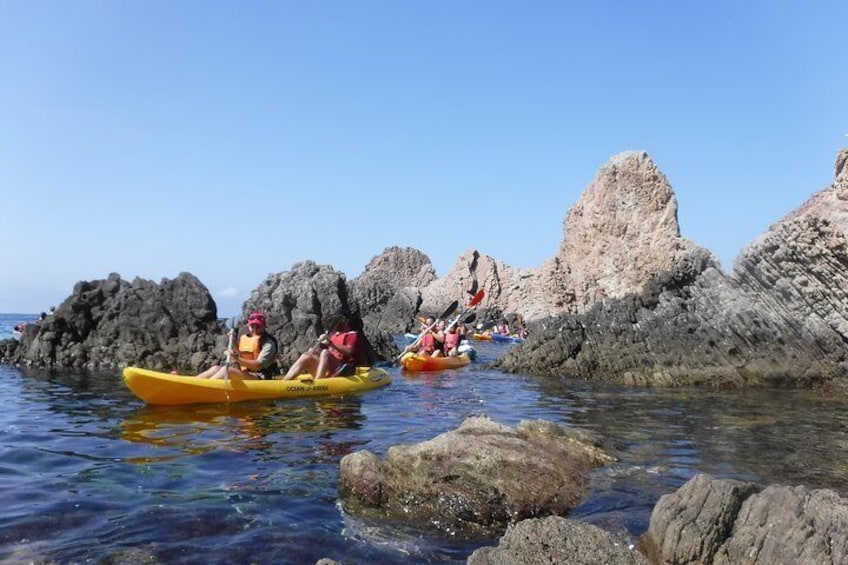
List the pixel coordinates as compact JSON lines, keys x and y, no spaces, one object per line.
{"x":233,"y":139}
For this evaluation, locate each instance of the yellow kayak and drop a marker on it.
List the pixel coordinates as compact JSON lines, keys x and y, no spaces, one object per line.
{"x":415,"y":363}
{"x":154,"y":387}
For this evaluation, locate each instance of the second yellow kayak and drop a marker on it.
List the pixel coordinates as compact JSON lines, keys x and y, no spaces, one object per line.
{"x":419,"y":363}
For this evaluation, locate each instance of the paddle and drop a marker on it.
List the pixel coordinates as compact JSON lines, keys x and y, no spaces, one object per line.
{"x":231,"y":325}
{"x":448,"y":311}
{"x":471,"y":304}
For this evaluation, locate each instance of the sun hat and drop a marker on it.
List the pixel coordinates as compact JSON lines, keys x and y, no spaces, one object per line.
{"x":256,"y":318}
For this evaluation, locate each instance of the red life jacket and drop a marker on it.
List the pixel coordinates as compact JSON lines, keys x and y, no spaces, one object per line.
{"x":428,"y":343}
{"x":344,"y":339}
{"x":452,"y":340}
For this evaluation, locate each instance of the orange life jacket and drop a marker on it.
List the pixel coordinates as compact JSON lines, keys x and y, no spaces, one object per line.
{"x":250,"y":346}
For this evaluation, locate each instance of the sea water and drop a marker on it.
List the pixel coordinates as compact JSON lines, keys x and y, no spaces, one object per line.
{"x":89,"y":474}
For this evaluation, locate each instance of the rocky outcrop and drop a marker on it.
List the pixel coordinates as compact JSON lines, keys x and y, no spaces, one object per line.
{"x":388,"y":291}
{"x":778,"y":319}
{"x":112,"y":323}
{"x":542,"y":541}
{"x":479,"y":477}
{"x":622,"y":232}
{"x":724,"y":521}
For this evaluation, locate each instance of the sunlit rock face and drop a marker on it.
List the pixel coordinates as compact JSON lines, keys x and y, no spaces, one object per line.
{"x":779,"y":318}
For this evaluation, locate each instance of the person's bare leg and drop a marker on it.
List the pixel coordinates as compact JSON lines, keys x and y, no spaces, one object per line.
{"x":323,"y":365}
{"x":223,"y":373}
{"x":306,"y":363}
{"x":209,"y":372}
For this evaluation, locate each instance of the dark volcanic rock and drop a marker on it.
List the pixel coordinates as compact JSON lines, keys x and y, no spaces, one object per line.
{"x":481,"y":476}
{"x":728,"y":522}
{"x":112,"y":323}
{"x":543,"y":541}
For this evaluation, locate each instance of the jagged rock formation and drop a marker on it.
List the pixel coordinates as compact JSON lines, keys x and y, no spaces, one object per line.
{"x":723,"y":521}
{"x":112,"y":323}
{"x":778,"y":319}
{"x":475,"y":477}
{"x":387,"y":292}
{"x":622,"y":232}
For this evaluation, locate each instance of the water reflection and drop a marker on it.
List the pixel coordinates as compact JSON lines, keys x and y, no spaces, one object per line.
{"x":242,"y":427}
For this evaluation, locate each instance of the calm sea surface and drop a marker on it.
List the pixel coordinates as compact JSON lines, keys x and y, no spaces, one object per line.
{"x":89,"y":473}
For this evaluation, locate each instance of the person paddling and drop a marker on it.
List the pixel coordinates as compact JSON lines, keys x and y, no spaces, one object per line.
{"x":333,"y":356}
{"x":256,"y":355}
{"x":430,"y":341}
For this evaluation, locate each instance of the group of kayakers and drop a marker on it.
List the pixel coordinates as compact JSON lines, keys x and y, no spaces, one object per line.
{"x":501,"y":327}
{"x":334,"y":352}
{"x":255,"y":356}
{"x":438,"y":338}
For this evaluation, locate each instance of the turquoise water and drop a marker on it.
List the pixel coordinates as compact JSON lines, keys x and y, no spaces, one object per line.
{"x":88,"y":471}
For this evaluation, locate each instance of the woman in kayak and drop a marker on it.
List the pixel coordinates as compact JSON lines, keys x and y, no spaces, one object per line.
{"x":333,"y":356}
{"x":256,"y":355}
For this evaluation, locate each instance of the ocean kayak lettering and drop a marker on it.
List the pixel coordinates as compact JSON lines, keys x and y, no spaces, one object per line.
{"x":300,"y":388}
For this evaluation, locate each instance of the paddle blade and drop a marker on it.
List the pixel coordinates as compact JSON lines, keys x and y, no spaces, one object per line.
{"x":469,"y":318}
{"x":477,"y":298}
{"x":449,"y":310}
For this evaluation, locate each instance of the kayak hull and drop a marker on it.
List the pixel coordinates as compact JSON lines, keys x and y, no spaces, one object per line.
{"x":154,"y":387}
{"x":415,"y":363}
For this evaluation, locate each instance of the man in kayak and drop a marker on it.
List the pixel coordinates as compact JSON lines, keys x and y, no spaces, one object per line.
{"x":333,"y":356}
{"x":255,"y":357}
{"x":430,"y":342}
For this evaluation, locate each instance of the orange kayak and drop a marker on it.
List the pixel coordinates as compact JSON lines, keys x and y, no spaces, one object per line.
{"x":419,"y":363}
{"x":482,"y":337}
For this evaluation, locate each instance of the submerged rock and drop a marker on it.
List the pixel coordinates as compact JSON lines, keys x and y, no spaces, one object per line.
{"x":479,"y":477}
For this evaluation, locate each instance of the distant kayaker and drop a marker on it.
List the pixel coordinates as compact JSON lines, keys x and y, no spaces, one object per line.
{"x":334,"y":355}
{"x":255,"y":357}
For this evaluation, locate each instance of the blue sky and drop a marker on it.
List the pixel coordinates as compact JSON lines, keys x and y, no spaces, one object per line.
{"x":233,"y":139}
